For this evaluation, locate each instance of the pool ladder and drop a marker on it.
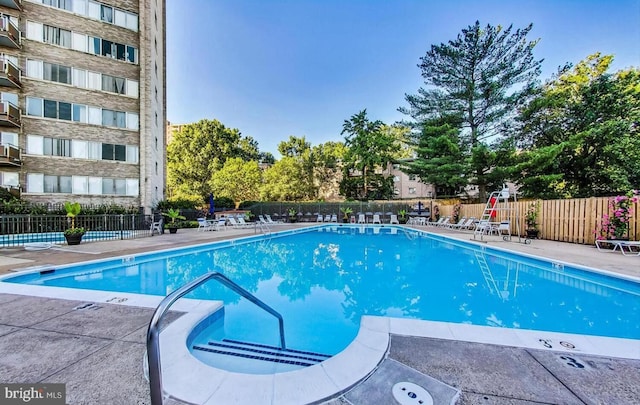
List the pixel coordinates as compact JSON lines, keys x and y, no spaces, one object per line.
{"x":153,"y":333}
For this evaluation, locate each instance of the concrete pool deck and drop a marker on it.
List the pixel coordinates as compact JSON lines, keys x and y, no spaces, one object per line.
{"x":97,"y":350}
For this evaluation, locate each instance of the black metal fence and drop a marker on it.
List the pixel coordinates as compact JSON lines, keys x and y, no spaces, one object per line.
{"x":18,"y":230}
{"x":308,"y":212}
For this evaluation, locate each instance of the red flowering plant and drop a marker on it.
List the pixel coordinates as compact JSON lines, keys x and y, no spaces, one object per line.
{"x":615,"y":224}
{"x":456,"y":213}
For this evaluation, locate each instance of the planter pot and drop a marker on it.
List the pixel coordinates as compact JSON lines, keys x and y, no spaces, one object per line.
{"x":345,"y":220}
{"x":532,"y":233}
{"x":74,"y":239}
{"x":173,"y":230}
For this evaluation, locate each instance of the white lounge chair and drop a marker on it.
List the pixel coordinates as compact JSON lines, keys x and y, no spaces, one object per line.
{"x":205,"y":225}
{"x":464,"y":225}
{"x":361,"y":219}
{"x":444,"y":223}
{"x":376,"y":219}
{"x":394,"y":219}
{"x":438,"y":222}
{"x":319,"y":218}
{"x":619,"y":244}
{"x":271,"y":221}
{"x":334,"y":218}
{"x":457,"y":224}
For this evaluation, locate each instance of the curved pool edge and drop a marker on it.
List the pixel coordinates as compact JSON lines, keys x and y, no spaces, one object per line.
{"x":188,"y":379}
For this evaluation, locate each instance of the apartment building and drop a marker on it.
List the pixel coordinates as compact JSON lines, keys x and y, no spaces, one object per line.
{"x":83,"y":103}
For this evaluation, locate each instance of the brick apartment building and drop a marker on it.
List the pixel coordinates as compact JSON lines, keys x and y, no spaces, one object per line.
{"x":83,"y":103}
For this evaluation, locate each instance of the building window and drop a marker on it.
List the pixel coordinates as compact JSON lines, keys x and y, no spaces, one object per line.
{"x":58,"y":184}
{"x":56,"y":73}
{"x":57,"y":147}
{"x":412,"y":190}
{"x":396,"y":179}
{"x":9,"y":179}
{"x":412,"y":177}
{"x":106,"y":14}
{"x":56,"y":36}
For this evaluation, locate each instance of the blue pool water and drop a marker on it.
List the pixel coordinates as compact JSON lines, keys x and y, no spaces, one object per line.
{"x":54,"y":237}
{"x":325,"y":279}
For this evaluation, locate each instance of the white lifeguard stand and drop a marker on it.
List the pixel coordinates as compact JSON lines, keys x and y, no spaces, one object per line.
{"x":497,"y":216}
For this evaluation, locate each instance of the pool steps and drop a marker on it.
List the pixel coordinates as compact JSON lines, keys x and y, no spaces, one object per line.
{"x":262,"y":352}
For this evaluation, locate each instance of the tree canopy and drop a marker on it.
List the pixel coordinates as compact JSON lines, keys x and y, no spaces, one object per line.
{"x":197,"y":151}
{"x":368,"y":148}
{"x":581,"y":133}
{"x":237,"y":179}
{"x":482,"y":77}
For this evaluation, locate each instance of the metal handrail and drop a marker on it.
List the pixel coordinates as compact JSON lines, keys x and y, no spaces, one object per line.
{"x":153,"y":333}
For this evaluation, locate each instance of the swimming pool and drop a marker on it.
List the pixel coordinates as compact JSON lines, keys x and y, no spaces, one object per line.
{"x":323,"y":280}
{"x":56,"y":237}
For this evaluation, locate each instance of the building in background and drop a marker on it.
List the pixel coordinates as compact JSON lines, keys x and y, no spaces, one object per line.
{"x":83,"y":103}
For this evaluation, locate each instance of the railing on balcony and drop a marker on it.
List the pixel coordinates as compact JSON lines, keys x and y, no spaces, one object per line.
{"x":9,"y":114}
{"x":11,"y":75}
{"x":14,"y":4}
{"x":10,"y":35}
{"x":10,"y":156}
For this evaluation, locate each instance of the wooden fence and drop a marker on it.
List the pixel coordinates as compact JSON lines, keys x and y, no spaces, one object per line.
{"x":574,"y":220}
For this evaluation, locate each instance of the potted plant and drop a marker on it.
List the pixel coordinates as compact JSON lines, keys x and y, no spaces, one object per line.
{"x":74,"y":234}
{"x":292,"y":215}
{"x":402,"y":216}
{"x":173,"y":214}
{"x":248,"y":216}
{"x":346,"y":211}
{"x":531,"y":220}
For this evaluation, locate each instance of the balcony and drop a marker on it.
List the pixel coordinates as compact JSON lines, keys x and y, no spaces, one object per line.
{"x":9,"y":115}
{"x":14,"y":4}
{"x":10,"y":74}
{"x":10,"y":35}
{"x":10,"y":156}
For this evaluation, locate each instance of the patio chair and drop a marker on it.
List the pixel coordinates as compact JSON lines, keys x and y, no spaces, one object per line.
{"x":361,"y":219}
{"x":629,"y":245}
{"x":394,"y":219}
{"x":319,"y":218}
{"x":334,"y":218}
{"x":438,"y":222}
{"x":156,"y":226}
{"x":327,"y":218}
{"x":376,"y":219}
{"x":271,"y":221}
{"x":457,"y":224}
{"x":204,"y":224}
{"x":444,"y":222}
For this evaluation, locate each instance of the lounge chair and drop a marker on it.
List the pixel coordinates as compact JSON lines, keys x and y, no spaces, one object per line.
{"x":394,"y":219}
{"x":361,"y":219}
{"x":319,"y":218}
{"x":462,"y":224}
{"x":271,"y":221}
{"x":235,"y":224}
{"x":438,"y":222}
{"x":625,"y":246}
{"x":327,"y":218}
{"x":334,"y":218}
{"x":445,"y":222}
{"x":376,"y":219}
{"x":205,"y":225}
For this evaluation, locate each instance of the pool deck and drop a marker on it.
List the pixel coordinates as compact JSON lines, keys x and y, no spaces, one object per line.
{"x":97,"y":350}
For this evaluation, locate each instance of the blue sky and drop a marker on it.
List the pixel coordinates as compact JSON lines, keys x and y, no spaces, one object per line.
{"x":275,"y":68}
